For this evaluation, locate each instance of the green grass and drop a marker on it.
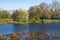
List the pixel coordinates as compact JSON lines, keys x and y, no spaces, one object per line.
{"x":50,"y":21}
{"x":10,"y":21}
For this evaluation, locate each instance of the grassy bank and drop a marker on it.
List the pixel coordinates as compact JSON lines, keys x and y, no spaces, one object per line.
{"x":50,"y":21}
{"x":10,"y":21}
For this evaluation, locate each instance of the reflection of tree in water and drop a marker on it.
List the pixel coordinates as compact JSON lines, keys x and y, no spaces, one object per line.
{"x":20,"y":28}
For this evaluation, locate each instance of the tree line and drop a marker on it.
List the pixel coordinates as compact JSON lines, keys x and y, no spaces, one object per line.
{"x":35,"y":13}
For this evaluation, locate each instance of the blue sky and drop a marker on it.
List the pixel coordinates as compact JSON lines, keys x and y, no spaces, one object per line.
{"x":16,"y":4}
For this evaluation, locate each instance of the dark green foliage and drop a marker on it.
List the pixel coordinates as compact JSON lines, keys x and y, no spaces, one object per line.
{"x":20,"y":16}
{"x":5,"y":14}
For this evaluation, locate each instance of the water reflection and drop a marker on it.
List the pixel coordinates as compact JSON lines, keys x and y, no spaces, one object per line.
{"x":10,"y":28}
{"x":6,"y":29}
{"x":21,"y":28}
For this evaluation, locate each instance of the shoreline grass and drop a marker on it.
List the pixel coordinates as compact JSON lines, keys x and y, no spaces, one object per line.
{"x":10,"y":21}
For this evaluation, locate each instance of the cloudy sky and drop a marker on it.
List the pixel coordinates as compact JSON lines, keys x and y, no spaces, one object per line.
{"x":16,"y":4}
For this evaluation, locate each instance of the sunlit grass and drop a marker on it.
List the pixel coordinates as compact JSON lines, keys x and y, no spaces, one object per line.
{"x":10,"y":21}
{"x":50,"y":21}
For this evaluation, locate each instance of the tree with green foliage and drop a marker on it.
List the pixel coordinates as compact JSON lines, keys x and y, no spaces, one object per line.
{"x":0,"y":14}
{"x":35,"y":13}
{"x":5,"y":14}
{"x":44,"y":6}
{"x":20,"y":16}
{"x":47,"y":14}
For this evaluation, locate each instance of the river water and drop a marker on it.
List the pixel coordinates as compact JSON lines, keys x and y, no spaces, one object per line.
{"x":53,"y":28}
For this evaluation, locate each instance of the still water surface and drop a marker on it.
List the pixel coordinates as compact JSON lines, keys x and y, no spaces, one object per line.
{"x":46,"y":27}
